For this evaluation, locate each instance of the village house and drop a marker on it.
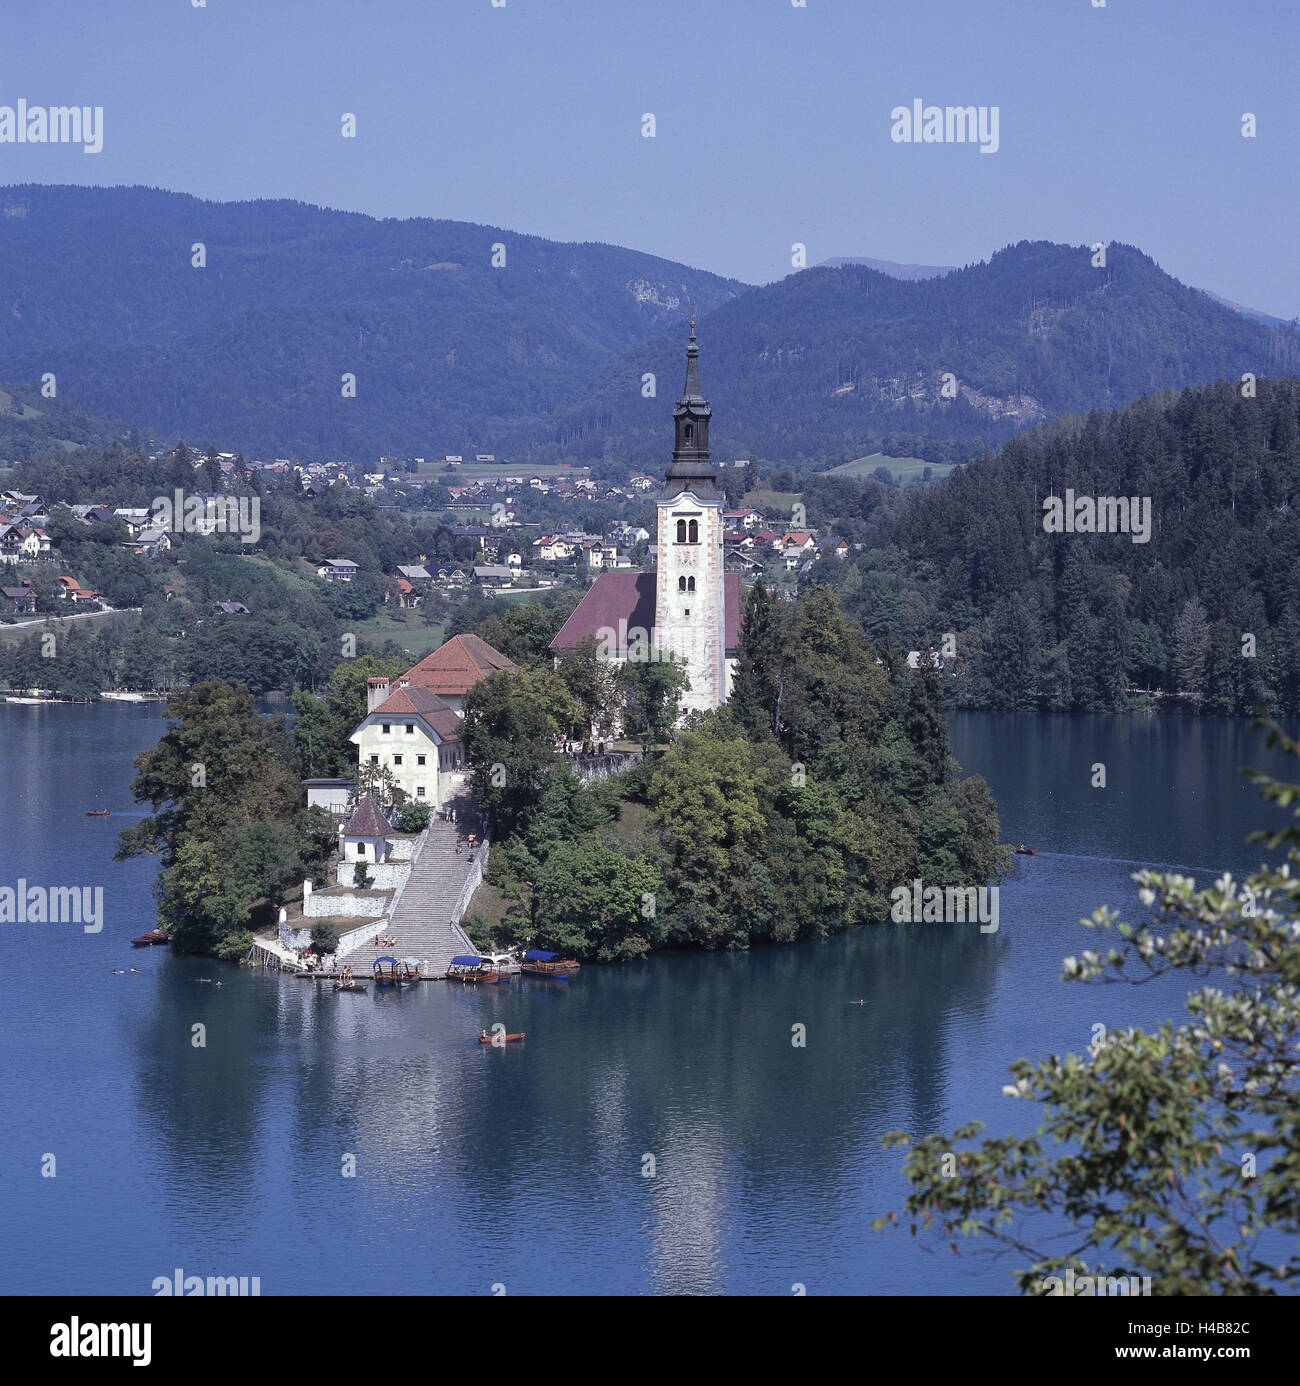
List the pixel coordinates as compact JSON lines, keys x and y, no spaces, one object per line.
{"x":338,"y":570}
{"x":92,"y":514}
{"x":20,"y":543}
{"x":22,"y":502}
{"x":72,"y":591}
{"x":494,"y":575}
{"x":152,"y":542}
{"x":598,"y":555}
{"x":550,"y":548}
{"x":135,"y":518}
{"x":20,"y":599}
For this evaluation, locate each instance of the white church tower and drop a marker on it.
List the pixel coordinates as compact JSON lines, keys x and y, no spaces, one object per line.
{"x":690,"y":600}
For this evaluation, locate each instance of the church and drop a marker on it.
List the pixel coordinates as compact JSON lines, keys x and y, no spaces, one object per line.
{"x":689,"y":607}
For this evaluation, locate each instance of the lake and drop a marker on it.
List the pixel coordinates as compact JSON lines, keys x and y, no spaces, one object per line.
{"x":525,"y":1167}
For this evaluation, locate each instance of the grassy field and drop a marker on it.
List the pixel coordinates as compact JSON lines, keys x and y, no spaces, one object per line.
{"x":406,"y":627}
{"x":902,"y":468}
{"x":773,"y":504}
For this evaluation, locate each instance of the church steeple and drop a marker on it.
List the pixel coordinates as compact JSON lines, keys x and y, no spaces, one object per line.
{"x":691,"y":470}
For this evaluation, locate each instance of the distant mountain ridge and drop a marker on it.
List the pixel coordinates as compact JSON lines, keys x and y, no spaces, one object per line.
{"x":99,"y":286}
{"x":889,"y":267}
{"x":897,"y":271}
{"x":831,"y":363}
{"x":281,"y":329}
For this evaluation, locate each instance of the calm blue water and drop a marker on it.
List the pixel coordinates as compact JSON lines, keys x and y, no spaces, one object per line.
{"x":523,"y":1167}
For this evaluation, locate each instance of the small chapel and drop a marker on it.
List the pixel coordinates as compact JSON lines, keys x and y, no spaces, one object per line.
{"x":689,"y":606}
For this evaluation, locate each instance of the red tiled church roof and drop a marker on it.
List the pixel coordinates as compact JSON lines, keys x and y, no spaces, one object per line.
{"x":630,"y":597}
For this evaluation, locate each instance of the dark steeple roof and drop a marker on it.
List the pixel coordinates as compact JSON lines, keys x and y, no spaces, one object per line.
{"x":366,"y":820}
{"x":691,"y":470}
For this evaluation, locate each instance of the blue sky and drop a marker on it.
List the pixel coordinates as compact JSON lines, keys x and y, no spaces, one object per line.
{"x":773,"y":122}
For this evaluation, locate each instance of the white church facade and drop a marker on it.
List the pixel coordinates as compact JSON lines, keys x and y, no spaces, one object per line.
{"x":689,"y":606}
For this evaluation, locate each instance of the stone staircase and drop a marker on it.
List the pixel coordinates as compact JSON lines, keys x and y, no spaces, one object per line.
{"x":422,"y":922}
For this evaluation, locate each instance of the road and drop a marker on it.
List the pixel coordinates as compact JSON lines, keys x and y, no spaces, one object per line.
{"x":76,"y":616}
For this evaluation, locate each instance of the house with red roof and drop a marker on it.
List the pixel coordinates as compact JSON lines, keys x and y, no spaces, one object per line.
{"x":415,"y":736}
{"x":455,"y":667}
{"x":412,"y":723}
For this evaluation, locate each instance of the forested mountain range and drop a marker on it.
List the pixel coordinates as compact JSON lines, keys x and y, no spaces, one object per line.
{"x":545,"y":357}
{"x":832,"y":363}
{"x":1206,"y":612}
{"x":97,"y":285}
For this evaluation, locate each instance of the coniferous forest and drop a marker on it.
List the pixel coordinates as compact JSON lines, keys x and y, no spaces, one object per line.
{"x":1206,"y":614}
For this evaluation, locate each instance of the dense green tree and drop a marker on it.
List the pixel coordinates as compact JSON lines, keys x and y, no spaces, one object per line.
{"x":510,"y":726}
{"x":226,"y":825}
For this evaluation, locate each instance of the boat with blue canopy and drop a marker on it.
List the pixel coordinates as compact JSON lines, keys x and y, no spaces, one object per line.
{"x":537,"y":963}
{"x":386,"y":972}
{"x":470,"y":967}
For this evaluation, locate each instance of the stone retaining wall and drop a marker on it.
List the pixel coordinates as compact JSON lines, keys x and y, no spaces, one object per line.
{"x":324,"y":903}
{"x":383,"y":876}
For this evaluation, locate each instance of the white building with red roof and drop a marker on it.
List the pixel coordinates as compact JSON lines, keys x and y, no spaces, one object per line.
{"x":412,"y":723}
{"x":415,"y":736}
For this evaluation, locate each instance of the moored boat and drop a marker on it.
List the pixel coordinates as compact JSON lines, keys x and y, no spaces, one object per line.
{"x":470,"y":967}
{"x":505,"y":965}
{"x":385,"y":971}
{"x":539,"y":964}
{"x":350,"y":986}
{"x":408,"y":972}
{"x":152,"y":938}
